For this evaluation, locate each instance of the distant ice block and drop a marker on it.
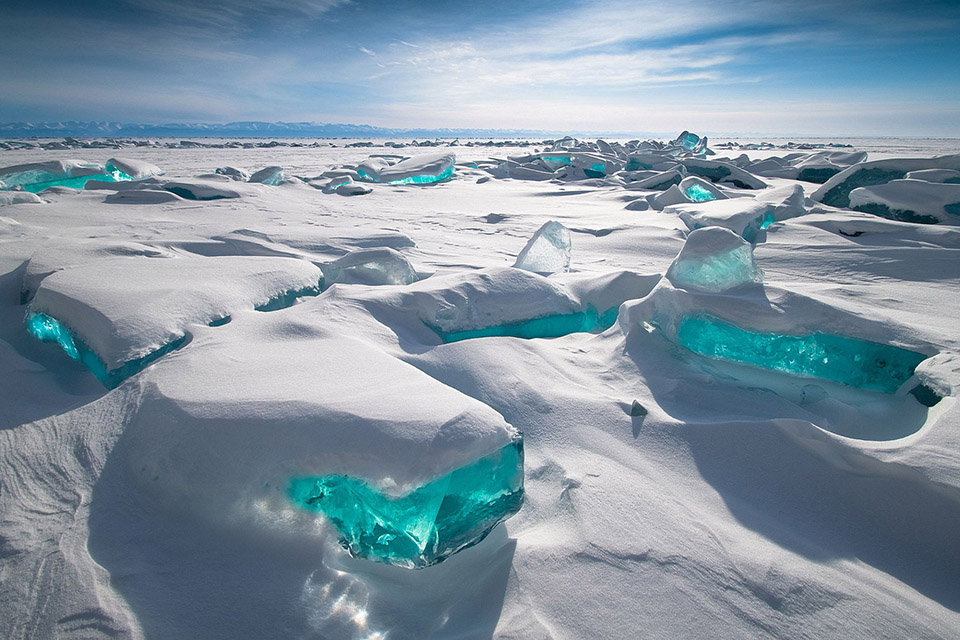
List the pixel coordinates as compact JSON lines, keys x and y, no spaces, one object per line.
{"x":272,"y":176}
{"x":658,"y":182}
{"x":548,"y":251}
{"x":691,"y":142}
{"x":19,"y":197}
{"x":352,"y":189}
{"x":836,"y":191}
{"x":37,"y":176}
{"x":381,"y":266}
{"x":714,"y":259}
{"x":427,"y":525}
{"x":424,"y":169}
{"x":910,"y":200}
{"x":128,"y":169}
{"x":202,"y":189}
{"x":849,"y":361}
{"x":233,"y":173}
{"x":718,"y":171}
{"x":126,"y":311}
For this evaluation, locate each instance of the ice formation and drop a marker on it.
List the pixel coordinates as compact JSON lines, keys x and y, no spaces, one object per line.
{"x":719,"y":171}
{"x":36,"y":176}
{"x":423,"y":169}
{"x":201,"y":189}
{"x":698,"y":190}
{"x":132,"y":169}
{"x":849,"y":361}
{"x":714,"y":259}
{"x":370,"y":266}
{"x":552,"y":326}
{"x":124,"y":312}
{"x":910,"y":200}
{"x":836,"y":191}
{"x":548,"y":251}
{"x":19,"y":197}
{"x":427,"y":525}
{"x":272,"y":175}
{"x":746,"y":217}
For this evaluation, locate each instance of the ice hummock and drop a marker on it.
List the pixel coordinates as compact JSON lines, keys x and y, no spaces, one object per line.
{"x":714,"y":259}
{"x":272,"y":175}
{"x":125,"y":310}
{"x":548,"y":251}
{"x":910,"y":200}
{"x":836,"y":191}
{"x":424,"y":169}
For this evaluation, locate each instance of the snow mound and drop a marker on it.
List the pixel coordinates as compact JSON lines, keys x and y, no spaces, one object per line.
{"x":718,"y":171}
{"x":133,"y":169}
{"x":746,"y":217}
{"x":19,"y":197}
{"x":201,"y":190}
{"x":836,"y":191}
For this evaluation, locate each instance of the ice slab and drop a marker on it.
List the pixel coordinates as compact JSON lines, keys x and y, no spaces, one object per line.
{"x":658,"y":182}
{"x":714,"y":259}
{"x":744,"y":216}
{"x":910,"y":200}
{"x":548,"y":251}
{"x":37,"y":176}
{"x":272,"y":176}
{"x":233,"y":173}
{"x":691,"y":142}
{"x":427,"y":525}
{"x":698,"y":190}
{"x":717,"y":171}
{"x":849,"y":361}
{"x":381,"y":266}
{"x":277,"y":411}
{"x":551,"y":326}
{"x":201,"y":189}
{"x":949,"y":176}
{"x":836,"y":191}
{"x":125,"y":309}
{"x":424,"y":169}
{"x":132,"y":169}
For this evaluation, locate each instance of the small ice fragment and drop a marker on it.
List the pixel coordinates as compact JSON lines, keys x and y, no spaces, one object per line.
{"x":548,"y":251}
{"x":699,"y":190}
{"x":379,"y":266}
{"x":637,"y":409}
{"x":714,"y":259}
{"x":269,"y":175}
{"x":233,"y":173}
{"x":687,"y":140}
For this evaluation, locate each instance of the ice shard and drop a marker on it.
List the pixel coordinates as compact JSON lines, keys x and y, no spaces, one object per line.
{"x":714,"y":259}
{"x":548,"y":251}
{"x":849,"y":361}
{"x":380,"y":266}
{"x":427,"y":525}
{"x":272,"y":176}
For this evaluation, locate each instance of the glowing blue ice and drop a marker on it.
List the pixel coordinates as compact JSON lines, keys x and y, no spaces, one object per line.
{"x":698,"y":193}
{"x":553,"y":326}
{"x":424,"y":179}
{"x":849,"y":361}
{"x":427,"y":525}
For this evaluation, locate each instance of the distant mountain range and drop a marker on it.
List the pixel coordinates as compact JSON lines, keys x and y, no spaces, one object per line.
{"x":243,"y":130}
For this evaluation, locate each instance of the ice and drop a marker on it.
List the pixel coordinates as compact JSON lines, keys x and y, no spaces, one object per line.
{"x":698,"y":190}
{"x":659,"y":181}
{"x":910,"y":200}
{"x":233,"y":173}
{"x":130,"y":169}
{"x":718,"y":171}
{"x":381,"y":266}
{"x":427,"y":525}
{"x":352,"y":189}
{"x":272,"y":175}
{"x":691,"y":142}
{"x":37,"y":176}
{"x":552,"y":326}
{"x":948,"y":176}
{"x":836,"y":191}
{"x":744,"y":216}
{"x":201,"y":190}
{"x":125,"y":309}
{"x":856,"y":363}
{"x":548,"y":251}
{"x":714,"y":259}
{"x":425,"y":169}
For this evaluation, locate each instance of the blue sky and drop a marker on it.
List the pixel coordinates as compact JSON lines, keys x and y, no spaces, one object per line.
{"x":856,"y":67}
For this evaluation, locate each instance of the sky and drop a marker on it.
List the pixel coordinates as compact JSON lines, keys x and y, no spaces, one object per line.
{"x":720,"y":67}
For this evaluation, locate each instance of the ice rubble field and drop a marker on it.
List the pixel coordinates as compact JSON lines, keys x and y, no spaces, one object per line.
{"x":565,"y":389}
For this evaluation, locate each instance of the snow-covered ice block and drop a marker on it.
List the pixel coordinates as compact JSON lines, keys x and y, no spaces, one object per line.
{"x":699,"y":190}
{"x":141,"y":196}
{"x":717,"y":171}
{"x":664,"y":199}
{"x":657,"y":182}
{"x":19,"y":197}
{"x":352,"y":189}
{"x":949,"y":176}
{"x":424,"y":169}
{"x":272,"y":176}
{"x":274,"y":413}
{"x":744,"y":216}
{"x":714,"y":259}
{"x":37,"y":176}
{"x":132,"y":169}
{"x":910,"y":200}
{"x":836,"y":191}
{"x":380,"y":266}
{"x":548,"y":251}
{"x":233,"y":173}
{"x":126,"y":311}
{"x":202,"y":189}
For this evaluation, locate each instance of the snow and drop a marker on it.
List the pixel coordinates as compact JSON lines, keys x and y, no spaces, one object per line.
{"x":670,"y":489}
